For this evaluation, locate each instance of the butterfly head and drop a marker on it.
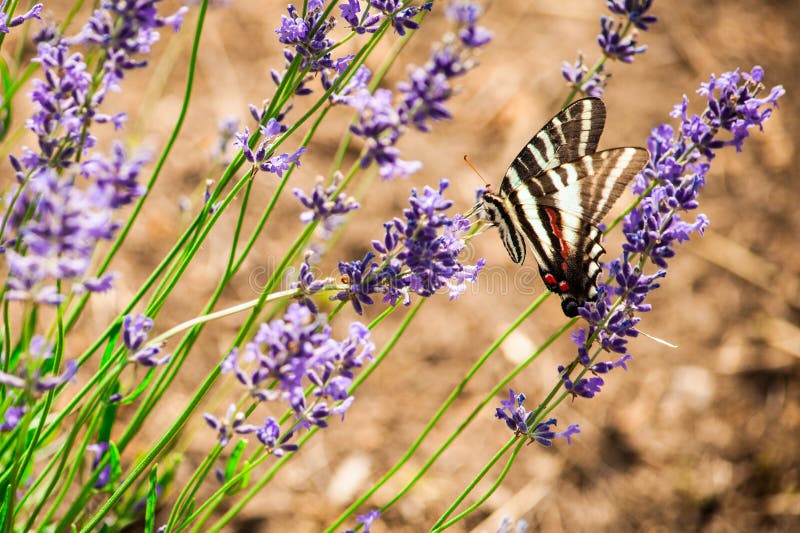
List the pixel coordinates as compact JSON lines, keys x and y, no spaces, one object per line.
{"x":490,"y":205}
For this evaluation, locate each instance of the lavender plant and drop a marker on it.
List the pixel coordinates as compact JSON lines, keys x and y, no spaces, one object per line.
{"x":295,"y":362}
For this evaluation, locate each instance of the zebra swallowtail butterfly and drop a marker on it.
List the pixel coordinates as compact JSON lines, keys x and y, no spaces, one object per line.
{"x":555,"y":193}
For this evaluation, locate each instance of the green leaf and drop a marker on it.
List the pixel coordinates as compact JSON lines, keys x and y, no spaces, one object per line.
{"x":114,"y":462}
{"x":152,"y":496}
{"x":109,"y":416}
{"x":140,"y":388}
{"x":7,"y":82}
{"x":4,"y":509}
{"x":233,"y":464}
{"x":112,"y":342}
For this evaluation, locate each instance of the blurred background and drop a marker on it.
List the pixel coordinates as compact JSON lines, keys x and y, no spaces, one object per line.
{"x":702,"y":436}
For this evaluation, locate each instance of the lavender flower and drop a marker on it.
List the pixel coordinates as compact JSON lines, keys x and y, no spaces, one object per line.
{"x":360,"y":22}
{"x":576,"y":74}
{"x":61,"y":225}
{"x":583,"y":387}
{"x":270,"y":436}
{"x":66,"y":100}
{"x":134,"y":334}
{"x":513,"y":413}
{"x":98,"y":451}
{"x":635,"y":10}
{"x":226,"y":425}
{"x":62,"y":107}
{"x":466,"y":14}
{"x":307,"y":37}
{"x":366,"y":520}
{"x":544,"y":435}
{"x":227,"y":130}
{"x":401,"y":17}
{"x":428,"y":87}
{"x":381,"y":124}
{"x":125,"y":29}
{"x":614,"y":44}
{"x":34,"y":12}
{"x":419,"y":255}
{"x":517,"y":418}
{"x":322,"y":204}
{"x":135,"y":330}
{"x":29,"y":373}
{"x":114,"y":180}
{"x":507,"y":525}
{"x":11,"y":418}
{"x":276,"y":164}
{"x":60,"y":237}
{"x":306,"y":280}
{"x":296,"y":351}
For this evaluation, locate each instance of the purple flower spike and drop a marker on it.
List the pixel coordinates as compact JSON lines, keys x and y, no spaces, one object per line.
{"x":360,"y":22}
{"x":614,"y":45}
{"x":297,"y":351}
{"x":380,"y":122}
{"x":576,"y":75}
{"x":513,"y":413}
{"x":278,"y":164}
{"x":62,"y":104}
{"x":28,"y":374}
{"x":544,"y":435}
{"x":322,"y":204}
{"x":635,"y":10}
{"x":584,"y":387}
{"x":47,"y":383}
{"x":135,"y":330}
{"x":517,"y":418}
{"x":5,"y":25}
{"x":307,"y":38}
{"x":419,"y":255}
{"x":270,"y":436}
{"x":225,"y":426}
{"x":12,"y":418}
{"x":368,"y":519}
{"x":99,"y":450}
{"x":148,"y":356}
{"x":114,"y":180}
{"x":126,"y":29}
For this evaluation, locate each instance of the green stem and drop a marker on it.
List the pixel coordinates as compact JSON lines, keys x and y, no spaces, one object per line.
{"x":439,"y":526}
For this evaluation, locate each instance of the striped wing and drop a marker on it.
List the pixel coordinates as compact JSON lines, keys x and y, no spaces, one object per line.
{"x":555,"y":193}
{"x":571,"y":134}
{"x":560,"y":218}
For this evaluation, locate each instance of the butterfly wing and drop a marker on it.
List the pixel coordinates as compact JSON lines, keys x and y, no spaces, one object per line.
{"x":561,"y":226}
{"x":572,"y":133}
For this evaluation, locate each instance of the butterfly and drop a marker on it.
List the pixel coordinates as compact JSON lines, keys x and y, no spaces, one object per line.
{"x":554,"y":195}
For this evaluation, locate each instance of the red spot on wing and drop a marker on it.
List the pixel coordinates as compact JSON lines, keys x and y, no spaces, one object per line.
{"x":563,"y":286}
{"x":549,"y":279}
{"x":552,"y":215}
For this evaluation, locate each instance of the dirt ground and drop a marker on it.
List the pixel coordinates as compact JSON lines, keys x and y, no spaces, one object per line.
{"x":699,"y":437}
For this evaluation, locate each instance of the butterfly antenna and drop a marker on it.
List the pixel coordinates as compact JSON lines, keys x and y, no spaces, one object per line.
{"x":475,"y":170}
{"x":477,"y":206}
